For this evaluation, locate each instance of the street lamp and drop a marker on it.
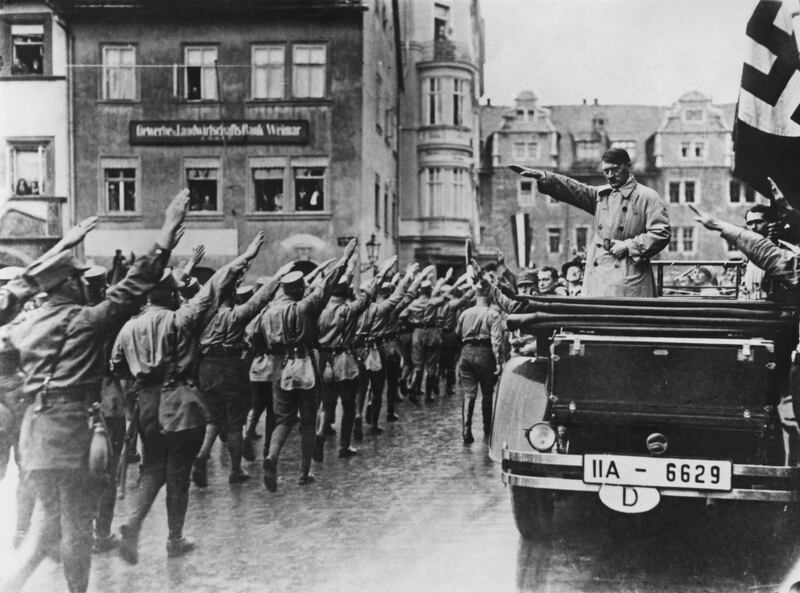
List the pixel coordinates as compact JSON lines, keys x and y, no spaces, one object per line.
{"x":373,"y":248}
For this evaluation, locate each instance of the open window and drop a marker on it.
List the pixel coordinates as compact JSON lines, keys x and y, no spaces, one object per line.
{"x":27,"y":42}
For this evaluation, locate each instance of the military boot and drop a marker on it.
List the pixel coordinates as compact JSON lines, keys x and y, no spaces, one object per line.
{"x":466,"y":421}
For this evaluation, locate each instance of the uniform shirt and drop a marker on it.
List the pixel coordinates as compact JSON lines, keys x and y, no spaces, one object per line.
{"x":394,"y":323}
{"x":481,"y":322}
{"x":227,"y":326}
{"x":422,"y":311}
{"x":447,"y":313}
{"x":63,"y":340}
{"x":339,"y":320}
{"x":288,"y":322}
{"x":781,"y":266}
{"x":161,"y":340}
{"x":632,"y":213}
{"x":504,"y":303}
{"x":380,"y":317}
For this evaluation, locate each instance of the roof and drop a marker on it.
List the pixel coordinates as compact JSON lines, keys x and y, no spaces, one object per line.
{"x":491,"y":119}
{"x":621,"y":122}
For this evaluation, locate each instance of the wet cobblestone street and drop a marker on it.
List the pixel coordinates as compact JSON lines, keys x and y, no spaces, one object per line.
{"x":418,"y":511}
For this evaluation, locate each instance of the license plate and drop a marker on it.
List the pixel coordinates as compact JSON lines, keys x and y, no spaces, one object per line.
{"x":624,"y":470}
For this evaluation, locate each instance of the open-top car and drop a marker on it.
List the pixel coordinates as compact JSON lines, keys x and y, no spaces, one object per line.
{"x":633,"y":400}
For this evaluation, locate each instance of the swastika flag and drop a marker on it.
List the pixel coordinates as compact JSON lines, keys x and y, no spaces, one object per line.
{"x":767,"y":126}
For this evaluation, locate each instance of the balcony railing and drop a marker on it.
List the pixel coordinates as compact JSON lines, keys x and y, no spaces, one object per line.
{"x":444,"y":50}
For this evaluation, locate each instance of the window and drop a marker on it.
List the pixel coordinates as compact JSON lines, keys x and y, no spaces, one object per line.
{"x":441,"y":22}
{"x":674,"y":192}
{"x":201,"y":75}
{"x":628,"y":146}
{"x":673,"y":240}
{"x":395,"y":221}
{"x":379,"y":115}
{"x":525,"y":195}
{"x":460,"y":98}
{"x":435,"y":102}
{"x":693,"y":115}
{"x":693,"y":150}
{"x":554,"y":240}
{"x":687,"y":239}
{"x":309,"y":189}
{"x":119,"y":73}
{"x":28,"y":49}
{"x":749,"y":194}
{"x":386,"y":210}
{"x":688,"y":192}
{"x":682,"y":240}
{"x":581,"y":238}
{"x":587,"y":150}
{"x":377,"y":202}
{"x":120,"y":189}
{"x":598,"y":124}
{"x":734,"y":189}
{"x":308,"y":71}
{"x":683,"y":191}
{"x":268,"y":71}
{"x":31,"y":166}
{"x":446,"y":192}
{"x":202,"y":180}
{"x":268,"y":188}
{"x":524,"y":151}
{"x":446,"y":101}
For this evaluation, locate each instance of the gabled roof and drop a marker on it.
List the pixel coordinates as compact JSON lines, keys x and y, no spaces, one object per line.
{"x":621,"y":122}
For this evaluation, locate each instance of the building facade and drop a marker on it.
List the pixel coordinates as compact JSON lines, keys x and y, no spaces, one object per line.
{"x":34,"y":139}
{"x":439,"y":130}
{"x":683,"y":151}
{"x":276,"y":116}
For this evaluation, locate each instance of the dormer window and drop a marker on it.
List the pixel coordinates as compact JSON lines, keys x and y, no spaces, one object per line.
{"x":693,"y":115}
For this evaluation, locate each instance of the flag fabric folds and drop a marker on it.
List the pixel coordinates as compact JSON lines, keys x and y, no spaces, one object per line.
{"x":767,"y":126}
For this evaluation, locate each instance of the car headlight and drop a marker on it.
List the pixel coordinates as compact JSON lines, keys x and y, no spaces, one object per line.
{"x":541,"y":436}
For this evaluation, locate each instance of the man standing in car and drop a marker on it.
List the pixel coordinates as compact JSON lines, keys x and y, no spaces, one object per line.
{"x":631,"y":225}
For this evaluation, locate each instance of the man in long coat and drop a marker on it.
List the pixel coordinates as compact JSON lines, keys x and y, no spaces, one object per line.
{"x":631,"y":225}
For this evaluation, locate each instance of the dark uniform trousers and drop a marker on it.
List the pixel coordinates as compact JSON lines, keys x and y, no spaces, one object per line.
{"x":448,"y":359}
{"x":288,"y":404}
{"x":476,"y":369}
{"x":224,"y":383}
{"x":392,"y":360}
{"x":67,"y":504}
{"x":425,"y":345}
{"x":404,"y":339}
{"x":167,"y":459}
{"x":347,"y":391}
{"x":261,"y":403}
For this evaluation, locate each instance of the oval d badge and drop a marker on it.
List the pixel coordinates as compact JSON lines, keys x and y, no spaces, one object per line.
{"x":629,"y":499}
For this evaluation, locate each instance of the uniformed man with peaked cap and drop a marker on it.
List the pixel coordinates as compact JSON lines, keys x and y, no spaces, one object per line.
{"x":59,"y":349}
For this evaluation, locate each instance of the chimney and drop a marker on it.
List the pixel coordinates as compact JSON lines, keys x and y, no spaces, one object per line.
{"x":595,"y":101}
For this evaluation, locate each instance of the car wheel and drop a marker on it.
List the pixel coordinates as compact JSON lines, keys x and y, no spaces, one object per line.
{"x":533,"y":511}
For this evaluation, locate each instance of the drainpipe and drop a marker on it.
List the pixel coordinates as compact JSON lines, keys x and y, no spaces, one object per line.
{"x":71,"y":203}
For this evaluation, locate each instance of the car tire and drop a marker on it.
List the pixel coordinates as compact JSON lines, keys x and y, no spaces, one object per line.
{"x":533,"y":512}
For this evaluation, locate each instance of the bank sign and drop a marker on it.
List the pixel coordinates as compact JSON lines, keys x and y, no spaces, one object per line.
{"x":251,"y":131}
